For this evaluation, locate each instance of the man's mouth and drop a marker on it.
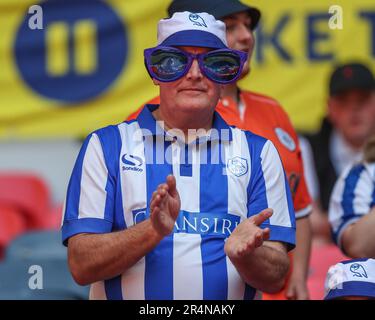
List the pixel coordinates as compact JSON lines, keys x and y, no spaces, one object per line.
{"x":193,"y":89}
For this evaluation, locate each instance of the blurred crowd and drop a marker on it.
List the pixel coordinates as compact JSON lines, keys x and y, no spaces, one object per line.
{"x":338,"y":166}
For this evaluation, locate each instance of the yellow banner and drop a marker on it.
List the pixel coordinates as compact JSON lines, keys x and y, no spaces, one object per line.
{"x":71,"y":66}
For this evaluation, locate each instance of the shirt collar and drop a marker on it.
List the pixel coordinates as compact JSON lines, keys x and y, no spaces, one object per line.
{"x":151,"y":127}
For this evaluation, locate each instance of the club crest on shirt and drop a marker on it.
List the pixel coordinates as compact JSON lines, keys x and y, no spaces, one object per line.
{"x":358,"y":271}
{"x":238,"y":166}
{"x":285,"y":139}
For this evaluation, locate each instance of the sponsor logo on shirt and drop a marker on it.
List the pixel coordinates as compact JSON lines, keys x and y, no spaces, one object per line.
{"x":285,"y":139}
{"x":132,"y":163}
{"x":203,"y":223}
{"x":238,"y":166}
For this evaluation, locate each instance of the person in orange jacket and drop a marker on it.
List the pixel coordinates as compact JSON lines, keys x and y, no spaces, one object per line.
{"x":263,"y":116}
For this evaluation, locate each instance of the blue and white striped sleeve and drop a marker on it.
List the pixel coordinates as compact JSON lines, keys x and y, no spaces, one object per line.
{"x":89,"y":202}
{"x":269,"y":188}
{"x":352,"y":197}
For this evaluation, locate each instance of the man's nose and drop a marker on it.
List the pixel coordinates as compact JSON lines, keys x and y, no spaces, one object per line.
{"x":245,"y":34}
{"x":194,"y":71}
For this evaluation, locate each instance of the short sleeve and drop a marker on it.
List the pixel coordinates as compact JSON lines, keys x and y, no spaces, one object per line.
{"x":90,"y":200}
{"x":268,"y":188}
{"x":352,"y":197}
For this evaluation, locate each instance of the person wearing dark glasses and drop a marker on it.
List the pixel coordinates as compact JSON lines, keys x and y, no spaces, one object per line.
{"x":264,"y":116}
{"x":177,"y":204}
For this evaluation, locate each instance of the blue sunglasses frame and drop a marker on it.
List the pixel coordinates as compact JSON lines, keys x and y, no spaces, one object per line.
{"x":242,"y":58}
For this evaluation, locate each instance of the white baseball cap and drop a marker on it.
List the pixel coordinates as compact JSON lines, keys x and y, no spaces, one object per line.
{"x":351,"y":278}
{"x":192,"y":29}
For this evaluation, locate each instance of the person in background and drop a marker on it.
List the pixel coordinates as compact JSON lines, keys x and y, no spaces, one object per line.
{"x":339,"y":143}
{"x":352,"y":207}
{"x":351,"y":280}
{"x":263,"y":116}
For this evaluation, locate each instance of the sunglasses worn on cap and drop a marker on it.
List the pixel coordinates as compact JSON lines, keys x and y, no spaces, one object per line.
{"x":168,"y":64}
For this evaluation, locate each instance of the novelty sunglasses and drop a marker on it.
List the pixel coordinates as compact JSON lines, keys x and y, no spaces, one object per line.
{"x":168,"y":64}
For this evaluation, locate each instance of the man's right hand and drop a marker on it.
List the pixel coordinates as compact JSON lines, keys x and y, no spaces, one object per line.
{"x":165,"y":206}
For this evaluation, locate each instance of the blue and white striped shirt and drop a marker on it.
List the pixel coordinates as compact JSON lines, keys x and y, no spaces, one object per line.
{"x":223,"y":180}
{"x":352,"y":197}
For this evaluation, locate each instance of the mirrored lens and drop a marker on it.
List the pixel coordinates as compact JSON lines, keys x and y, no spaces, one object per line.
{"x":222,"y":67}
{"x":167,"y":65}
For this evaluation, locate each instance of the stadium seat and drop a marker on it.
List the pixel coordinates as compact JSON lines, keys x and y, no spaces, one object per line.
{"x":41,"y":249}
{"x":12,"y":223}
{"x":37,"y":245}
{"x":29,"y":195}
{"x":56,"y":281}
{"x":322,"y":257}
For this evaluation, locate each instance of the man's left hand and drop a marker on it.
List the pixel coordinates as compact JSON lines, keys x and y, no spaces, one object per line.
{"x":248,"y":236}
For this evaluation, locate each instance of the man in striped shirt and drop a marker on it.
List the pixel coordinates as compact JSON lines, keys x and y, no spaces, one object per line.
{"x":176,"y":204}
{"x":352,"y":207}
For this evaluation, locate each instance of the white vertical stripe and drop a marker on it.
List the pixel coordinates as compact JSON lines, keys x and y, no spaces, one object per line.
{"x":236,"y":286}
{"x":237,"y":186}
{"x":133,"y":183}
{"x":187,"y":256}
{"x":275,"y":185}
{"x":134,"y":196}
{"x":363,"y":193}
{"x":187,"y":267}
{"x":335,"y":210}
{"x":188,"y":187}
{"x":133,"y":282}
{"x":93,"y":181}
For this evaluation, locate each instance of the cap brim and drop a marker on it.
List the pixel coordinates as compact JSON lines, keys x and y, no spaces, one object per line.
{"x":237,"y":7}
{"x":352,"y":288}
{"x":351,"y":85}
{"x":193,"y":38}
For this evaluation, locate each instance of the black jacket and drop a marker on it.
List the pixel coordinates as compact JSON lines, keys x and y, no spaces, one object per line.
{"x":324,"y":168}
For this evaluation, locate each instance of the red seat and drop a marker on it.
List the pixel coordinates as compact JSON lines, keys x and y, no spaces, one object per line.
{"x":29,"y":195}
{"x":12,"y":224}
{"x":322,"y":257}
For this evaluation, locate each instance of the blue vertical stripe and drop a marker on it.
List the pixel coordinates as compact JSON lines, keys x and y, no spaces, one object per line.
{"x":110,"y":139}
{"x":111,"y":145}
{"x":289,"y":199}
{"x":215,"y":277}
{"x":74,"y":187}
{"x":186,"y":168}
{"x":249,"y":293}
{"x":349,"y":190}
{"x":373,"y":196}
{"x":159,"y":262}
{"x":213,"y":198}
{"x":113,"y":288}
